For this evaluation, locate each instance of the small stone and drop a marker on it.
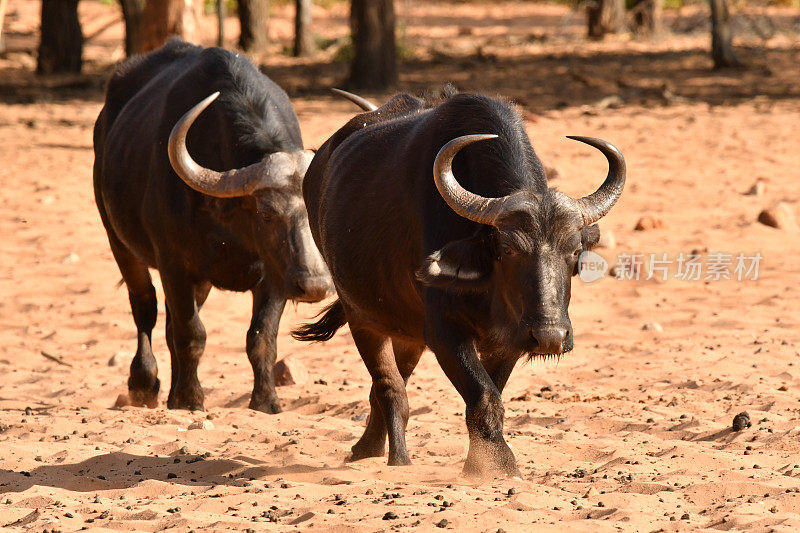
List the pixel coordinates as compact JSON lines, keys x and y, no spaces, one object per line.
{"x":289,"y":371}
{"x":591,"y":492}
{"x":201,"y":424}
{"x":117,"y":359}
{"x":685,"y":516}
{"x":28,"y":411}
{"x":442,"y":523}
{"x":607,"y":239}
{"x":757,"y":189}
{"x":779,"y":216}
{"x":653,"y":326}
{"x":390,"y":516}
{"x":551,"y":173}
{"x":647,"y":223}
{"x":741,"y":421}
{"x":511,"y":491}
{"x":70,"y":259}
{"x":172,"y":475}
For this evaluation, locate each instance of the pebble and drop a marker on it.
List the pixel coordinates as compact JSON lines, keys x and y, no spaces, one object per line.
{"x":551,"y":173}
{"x":442,"y":523}
{"x":741,"y":421}
{"x":201,"y":424}
{"x":779,"y":216}
{"x":757,"y":189}
{"x":653,"y":326}
{"x":647,"y":223}
{"x":290,"y":371}
{"x":117,"y":359}
{"x":390,"y":516}
{"x":70,"y":259}
{"x":607,"y":239}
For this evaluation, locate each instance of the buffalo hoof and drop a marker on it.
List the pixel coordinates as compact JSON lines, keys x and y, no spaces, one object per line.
{"x":490,"y":460}
{"x":144,"y":396}
{"x":366,"y":450}
{"x":271,"y":407}
{"x":399,"y":460}
{"x":189,"y":400}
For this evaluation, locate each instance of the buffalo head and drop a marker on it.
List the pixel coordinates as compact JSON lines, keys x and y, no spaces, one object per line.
{"x":273,"y":188}
{"x":527,"y":253}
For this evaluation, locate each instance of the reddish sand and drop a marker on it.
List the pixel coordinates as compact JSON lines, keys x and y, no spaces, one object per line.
{"x":630,"y":431}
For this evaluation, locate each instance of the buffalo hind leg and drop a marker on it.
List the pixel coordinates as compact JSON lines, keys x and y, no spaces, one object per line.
{"x":262,"y":349}
{"x":186,"y":338}
{"x":389,"y":391}
{"x":143,"y":383}
{"x":373,"y":441}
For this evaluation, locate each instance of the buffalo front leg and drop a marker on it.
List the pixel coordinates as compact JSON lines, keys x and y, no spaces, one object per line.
{"x":262,"y":349}
{"x":373,"y":441}
{"x":186,"y":339}
{"x":489,"y":455}
{"x":389,"y":392}
{"x":200,"y":295}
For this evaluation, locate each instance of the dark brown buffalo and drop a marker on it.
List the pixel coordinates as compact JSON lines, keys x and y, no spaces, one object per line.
{"x":200,"y":223}
{"x":439,"y":230}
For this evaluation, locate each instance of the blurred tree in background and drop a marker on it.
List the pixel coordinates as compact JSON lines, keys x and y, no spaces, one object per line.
{"x":605,"y":16}
{"x":254,"y":21}
{"x":374,"y":65}
{"x":648,"y":16}
{"x":61,"y":42}
{"x":722,"y":36}
{"x":303,"y":42}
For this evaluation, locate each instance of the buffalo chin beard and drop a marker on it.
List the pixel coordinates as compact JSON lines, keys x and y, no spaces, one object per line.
{"x":503,"y":343}
{"x":546,"y":356}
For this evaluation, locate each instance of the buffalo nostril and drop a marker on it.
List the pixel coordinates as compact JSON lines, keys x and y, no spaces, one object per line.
{"x":549,"y":340}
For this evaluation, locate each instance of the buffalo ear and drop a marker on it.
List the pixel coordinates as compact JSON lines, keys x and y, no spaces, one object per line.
{"x":463,"y":265}
{"x":590,"y":236}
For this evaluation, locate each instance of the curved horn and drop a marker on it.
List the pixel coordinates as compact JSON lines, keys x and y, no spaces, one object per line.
{"x":363,"y":103}
{"x":599,"y":203}
{"x":228,"y":184}
{"x":466,"y":204}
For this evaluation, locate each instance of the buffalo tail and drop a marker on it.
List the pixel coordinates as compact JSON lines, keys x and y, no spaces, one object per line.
{"x":332,"y":319}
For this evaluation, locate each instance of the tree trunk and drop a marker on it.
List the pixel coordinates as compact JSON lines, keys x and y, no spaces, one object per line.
{"x":3,"y":4}
{"x":648,"y":16}
{"x":221,"y":12}
{"x":132,"y":13}
{"x":161,"y":19}
{"x":254,"y":21}
{"x":303,"y":43}
{"x":721,"y":36}
{"x":374,"y":65}
{"x":605,"y":16}
{"x":61,"y":44}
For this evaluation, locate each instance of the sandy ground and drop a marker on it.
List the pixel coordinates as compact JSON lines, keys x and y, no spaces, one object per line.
{"x":631,"y":431}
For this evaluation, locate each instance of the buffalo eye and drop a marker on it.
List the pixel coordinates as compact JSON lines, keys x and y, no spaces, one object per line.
{"x":508,"y":251}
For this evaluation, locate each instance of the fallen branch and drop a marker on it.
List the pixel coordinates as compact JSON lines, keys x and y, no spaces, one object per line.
{"x":54,"y":358}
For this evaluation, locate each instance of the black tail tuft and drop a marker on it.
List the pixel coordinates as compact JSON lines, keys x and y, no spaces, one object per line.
{"x":333,"y":318}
